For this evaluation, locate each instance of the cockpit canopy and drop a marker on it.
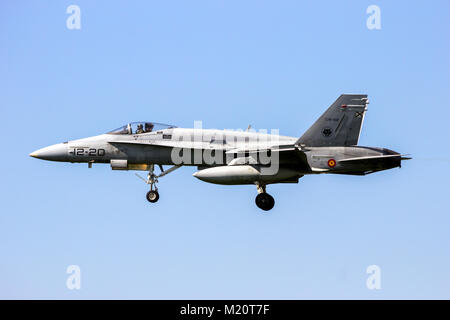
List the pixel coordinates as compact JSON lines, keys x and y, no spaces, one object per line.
{"x":141,"y":127}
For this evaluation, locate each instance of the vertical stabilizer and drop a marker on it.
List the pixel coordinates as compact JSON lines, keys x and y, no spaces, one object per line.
{"x":340,"y":125}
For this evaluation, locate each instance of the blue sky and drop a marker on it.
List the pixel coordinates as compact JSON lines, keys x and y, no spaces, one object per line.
{"x":272,"y":64}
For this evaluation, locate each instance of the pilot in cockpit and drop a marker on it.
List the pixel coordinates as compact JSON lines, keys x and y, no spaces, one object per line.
{"x":148,"y":127}
{"x":139,"y":129}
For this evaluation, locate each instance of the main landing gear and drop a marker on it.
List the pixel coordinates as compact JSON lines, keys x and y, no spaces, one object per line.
{"x":264,"y":200}
{"x":153,"y":195}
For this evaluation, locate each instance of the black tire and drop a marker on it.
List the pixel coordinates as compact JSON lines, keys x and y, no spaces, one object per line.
{"x":152,"y":196}
{"x":265,"y":201}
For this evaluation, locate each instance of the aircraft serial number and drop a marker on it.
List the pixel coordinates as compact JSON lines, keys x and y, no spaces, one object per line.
{"x":92,"y":152}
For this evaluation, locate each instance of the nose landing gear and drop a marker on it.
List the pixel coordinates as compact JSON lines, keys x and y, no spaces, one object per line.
{"x":153,"y":195}
{"x":264,"y":200}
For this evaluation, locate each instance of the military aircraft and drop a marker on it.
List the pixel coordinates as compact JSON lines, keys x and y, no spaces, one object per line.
{"x":232,"y":157}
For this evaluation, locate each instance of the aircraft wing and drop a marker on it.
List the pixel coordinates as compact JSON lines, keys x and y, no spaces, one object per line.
{"x":283,"y":154}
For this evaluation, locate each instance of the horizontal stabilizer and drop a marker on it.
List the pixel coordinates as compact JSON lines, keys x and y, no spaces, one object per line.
{"x":371,"y":163}
{"x":358,"y":159}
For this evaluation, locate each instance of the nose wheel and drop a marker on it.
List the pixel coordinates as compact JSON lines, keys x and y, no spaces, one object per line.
{"x":153,"y":195}
{"x":264,"y":200}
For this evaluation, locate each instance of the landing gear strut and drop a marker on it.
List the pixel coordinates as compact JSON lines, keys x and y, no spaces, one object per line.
{"x":264,"y":200}
{"x":153,"y":195}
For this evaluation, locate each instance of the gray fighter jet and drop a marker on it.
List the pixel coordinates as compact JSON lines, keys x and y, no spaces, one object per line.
{"x":232,"y":157}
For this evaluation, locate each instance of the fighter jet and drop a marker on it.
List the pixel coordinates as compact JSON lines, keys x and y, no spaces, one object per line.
{"x":230,"y":157}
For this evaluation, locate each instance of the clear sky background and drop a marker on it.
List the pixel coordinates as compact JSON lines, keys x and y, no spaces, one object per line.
{"x":272,"y":64}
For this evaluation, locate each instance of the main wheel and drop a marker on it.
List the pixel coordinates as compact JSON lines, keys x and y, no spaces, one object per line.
{"x":152,"y":196}
{"x":264,"y":201}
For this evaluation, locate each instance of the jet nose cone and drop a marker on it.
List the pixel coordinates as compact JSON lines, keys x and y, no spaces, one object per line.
{"x":34,"y":154}
{"x":56,"y":152}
